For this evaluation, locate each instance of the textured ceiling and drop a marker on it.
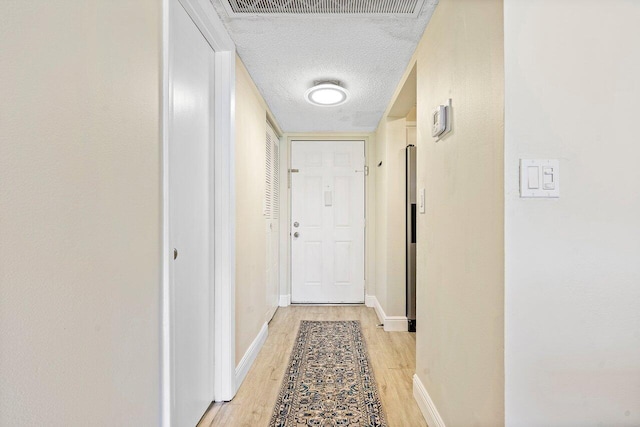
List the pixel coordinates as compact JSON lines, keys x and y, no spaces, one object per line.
{"x":286,"y":54}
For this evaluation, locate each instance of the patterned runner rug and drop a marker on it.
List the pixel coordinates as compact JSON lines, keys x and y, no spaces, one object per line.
{"x":329,"y":381}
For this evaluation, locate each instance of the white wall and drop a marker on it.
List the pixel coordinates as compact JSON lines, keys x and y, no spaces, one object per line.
{"x":572,"y":265}
{"x":80,"y":187}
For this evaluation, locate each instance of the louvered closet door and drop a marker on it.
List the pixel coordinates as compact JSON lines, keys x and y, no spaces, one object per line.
{"x":272,"y":218}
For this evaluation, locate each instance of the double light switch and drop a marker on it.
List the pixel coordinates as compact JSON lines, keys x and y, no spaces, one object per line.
{"x":539,"y":178}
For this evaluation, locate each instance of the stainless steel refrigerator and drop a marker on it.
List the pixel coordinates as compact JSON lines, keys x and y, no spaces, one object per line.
{"x":411,"y":201}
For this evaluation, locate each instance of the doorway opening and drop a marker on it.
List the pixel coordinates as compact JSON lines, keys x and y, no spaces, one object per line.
{"x":327,"y":228}
{"x":402,"y":140}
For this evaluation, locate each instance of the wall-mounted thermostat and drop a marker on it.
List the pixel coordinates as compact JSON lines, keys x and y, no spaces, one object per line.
{"x":441,"y":123}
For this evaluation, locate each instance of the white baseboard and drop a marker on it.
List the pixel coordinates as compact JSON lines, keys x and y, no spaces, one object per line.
{"x":426,"y":405}
{"x":391,"y":323}
{"x":379,"y":310}
{"x":369,"y":300}
{"x":285,"y":300}
{"x":396,"y":324}
{"x":250,"y":355}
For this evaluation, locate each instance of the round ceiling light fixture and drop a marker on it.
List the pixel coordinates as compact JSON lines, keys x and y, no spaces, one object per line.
{"x":327,"y":94}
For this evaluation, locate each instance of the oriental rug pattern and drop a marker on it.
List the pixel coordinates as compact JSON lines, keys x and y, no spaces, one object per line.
{"x":329,"y":380}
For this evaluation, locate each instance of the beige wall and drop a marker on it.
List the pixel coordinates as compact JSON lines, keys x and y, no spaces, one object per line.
{"x":380,"y":289}
{"x":390,"y":290}
{"x":80,"y":218}
{"x":572,"y":272}
{"x":251,"y":238}
{"x":411,"y":117}
{"x":460,"y":262}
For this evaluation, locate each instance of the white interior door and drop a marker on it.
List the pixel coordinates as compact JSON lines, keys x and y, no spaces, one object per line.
{"x":327,"y":221}
{"x":272,"y":217}
{"x":190,"y":168}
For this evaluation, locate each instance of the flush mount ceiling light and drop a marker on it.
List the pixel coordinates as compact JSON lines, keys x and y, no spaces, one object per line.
{"x":327,"y":94}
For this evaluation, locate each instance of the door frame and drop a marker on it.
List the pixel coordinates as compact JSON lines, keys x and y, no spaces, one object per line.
{"x":369,"y":209}
{"x":222,"y":176}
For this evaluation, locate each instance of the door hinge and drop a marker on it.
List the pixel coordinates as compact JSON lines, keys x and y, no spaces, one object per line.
{"x":365,"y":170}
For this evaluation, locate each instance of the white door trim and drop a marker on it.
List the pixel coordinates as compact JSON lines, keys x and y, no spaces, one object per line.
{"x":285,"y":208}
{"x":223,"y":182}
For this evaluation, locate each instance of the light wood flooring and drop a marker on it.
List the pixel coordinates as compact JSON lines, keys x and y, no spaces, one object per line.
{"x":392,"y":356}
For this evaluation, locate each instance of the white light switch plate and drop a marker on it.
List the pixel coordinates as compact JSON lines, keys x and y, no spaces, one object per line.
{"x":539,"y":178}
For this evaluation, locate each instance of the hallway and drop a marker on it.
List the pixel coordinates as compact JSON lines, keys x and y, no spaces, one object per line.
{"x":152,"y":239}
{"x":392,"y":356}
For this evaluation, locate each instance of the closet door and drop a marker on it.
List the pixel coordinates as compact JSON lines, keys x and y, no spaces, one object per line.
{"x":272,"y":217}
{"x":190,"y":215}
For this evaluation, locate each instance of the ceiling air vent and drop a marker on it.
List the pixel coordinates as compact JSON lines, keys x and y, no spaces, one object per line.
{"x":354,"y":8}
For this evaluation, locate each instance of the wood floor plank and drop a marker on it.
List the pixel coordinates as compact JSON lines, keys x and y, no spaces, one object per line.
{"x":392,"y":356}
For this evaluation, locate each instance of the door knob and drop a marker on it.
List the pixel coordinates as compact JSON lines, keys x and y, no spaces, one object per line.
{"x":175,"y":253}
{"x":296,"y":224}
{"x":296,"y":234}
